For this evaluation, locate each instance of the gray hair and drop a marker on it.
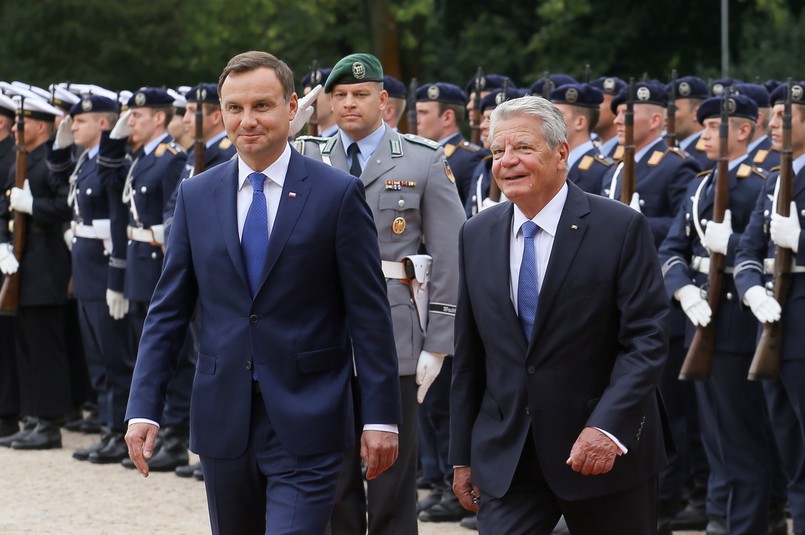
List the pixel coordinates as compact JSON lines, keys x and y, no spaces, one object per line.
{"x":553,"y":127}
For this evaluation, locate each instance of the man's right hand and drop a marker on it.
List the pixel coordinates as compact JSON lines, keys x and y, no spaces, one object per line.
{"x":8,"y":262}
{"x":765,"y":307}
{"x":468,"y":494}
{"x":64,"y":134}
{"x":117,"y":303}
{"x":696,"y":307}
{"x":140,"y":439}
{"x":379,"y":450}
{"x":122,"y":130}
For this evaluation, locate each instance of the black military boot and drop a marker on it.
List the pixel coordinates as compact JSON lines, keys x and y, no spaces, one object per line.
{"x":114,"y":451}
{"x":438,"y":488}
{"x":187,"y":469}
{"x":28,"y":425}
{"x":82,"y":454}
{"x":45,"y":436}
{"x":694,"y":516}
{"x":173,"y":453}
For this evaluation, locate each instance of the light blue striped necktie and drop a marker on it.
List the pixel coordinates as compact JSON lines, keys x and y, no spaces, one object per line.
{"x":527,"y":289}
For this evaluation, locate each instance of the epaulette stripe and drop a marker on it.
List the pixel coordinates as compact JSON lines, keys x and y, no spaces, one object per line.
{"x":671,"y":262}
{"x":110,"y":162}
{"x":59,"y":167}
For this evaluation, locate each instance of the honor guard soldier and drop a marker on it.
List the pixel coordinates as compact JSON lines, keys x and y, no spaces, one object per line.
{"x":410,"y":189}
{"x":689,"y":92}
{"x":487,"y":83}
{"x":439,"y":114}
{"x":606,"y":130}
{"x":545,"y":85}
{"x":99,"y":260}
{"x":43,"y":271}
{"x":395,"y":105}
{"x":324,"y":110}
{"x":177,"y":128}
{"x":761,"y":150}
{"x":579,"y":105}
{"x":732,"y":407}
{"x":720,"y":85}
{"x":767,"y":230}
{"x":9,"y":387}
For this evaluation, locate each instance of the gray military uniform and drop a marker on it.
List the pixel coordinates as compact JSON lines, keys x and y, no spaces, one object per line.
{"x":413,"y":198}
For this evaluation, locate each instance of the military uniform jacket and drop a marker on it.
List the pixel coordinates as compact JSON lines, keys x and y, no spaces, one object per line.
{"x":735,"y":325}
{"x":696,"y":151}
{"x":589,"y":170}
{"x":45,"y":264}
{"x":482,"y":174}
{"x":756,"y":245}
{"x":7,"y":155}
{"x":97,"y":266}
{"x":765,"y":155}
{"x":661,"y":178}
{"x":463,"y":158}
{"x":413,"y":201}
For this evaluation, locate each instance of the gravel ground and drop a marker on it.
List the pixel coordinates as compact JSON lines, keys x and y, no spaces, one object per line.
{"x":48,"y":492}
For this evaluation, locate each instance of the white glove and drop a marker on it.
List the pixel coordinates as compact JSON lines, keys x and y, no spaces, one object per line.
{"x":305,"y":111}
{"x":21,"y":199}
{"x":64,"y":134}
{"x":634,"y":204}
{"x":159,"y":233}
{"x":118,"y":305}
{"x":8,"y":262}
{"x":785,"y":230}
{"x":765,"y":307}
{"x":427,"y":369}
{"x":695,"y":306}
{"x":487,"y":203}
{"x":68,"y":239}
{"x":717,"y":235}
{"x":121,"y":130}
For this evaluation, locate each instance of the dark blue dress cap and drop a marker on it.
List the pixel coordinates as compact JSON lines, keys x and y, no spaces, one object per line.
{"x":756,"y":92}
{"x":718,"y":86}
{"x":583,"y":95}
{"x":441,"y":92}
{"x":151,"y":97}
{"x":489,"y":82}
{"x":207,"y":91}
{"x":394,"y":87}
{"x":553,"y":80}
{"x":497,"y":97}
{"x":651,"y":92}
{"x":690,"y":87}
{"x":797,"y":94}
{"x":609,"y":85}
{"x":318,"y":77}
{"x":737,"y":106}
{"x":94,"y":103}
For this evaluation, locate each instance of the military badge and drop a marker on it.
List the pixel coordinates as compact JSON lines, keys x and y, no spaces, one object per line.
{"x":571,"y":95}
{"x":398,"y":225}
{"x":643,"y":93}
{"x":139,"y":99}
{"x":358,"y":70}
{"x":684,"y":89}
{"x":449,"y":172}
{"x":433,"y":92}
{"x":731,"y":105}
{"x":718,"y":89}
{"x":86,"y":105}
{"x":796,"y":92}
{"x":609,"y":85}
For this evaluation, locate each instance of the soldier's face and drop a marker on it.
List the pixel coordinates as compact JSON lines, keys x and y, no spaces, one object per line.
{"x":358,"y":108}
{"x":605,"y":115}
{"x":86,"y":130}
{"x":145,"y":124}
{"x":256,"y":115}
{"x":526,"y":169}
{"x":485,"y":128}
{"x":685,"y":117}
{"x":429,"y":124}
{"x":648,"y":119}
{"x":797,"y":128}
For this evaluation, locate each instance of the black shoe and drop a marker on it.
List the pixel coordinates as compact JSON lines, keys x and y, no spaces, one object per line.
{"x":91,"y":423}
{"x":198,"y":473}
{"x":45,"y":436}
{"x":28,"y":425}
{"x":9,"y":425}
{"x":692,"y":518}
{"x":470,"y":522}
{"x":423,"y":484}
{"x":173,"y":452}
{"x":431,"y":499}
{"x":447,"y":510}
{"x":716,"y":525}
{"x":82,"y":454}
{"x":187,"y":469}
{"x":114,"y":451}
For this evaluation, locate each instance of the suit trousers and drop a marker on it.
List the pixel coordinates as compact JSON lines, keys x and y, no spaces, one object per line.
{"x":391,"y":497}
{"x":9,"y":382}
{"x":531,"y":508}
{"x":434,"y":428}
{"x":268,"y":490}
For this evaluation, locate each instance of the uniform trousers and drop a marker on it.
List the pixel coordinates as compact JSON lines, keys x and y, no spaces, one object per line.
{"x":9,"y":380}
{"x":434,"y":427}
{"x":391,"y":497}
{"x":42,"y":364}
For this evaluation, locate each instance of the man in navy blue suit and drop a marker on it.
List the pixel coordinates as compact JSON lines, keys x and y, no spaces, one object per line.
{"x":560,"y":345}
{"x":283,"y":326}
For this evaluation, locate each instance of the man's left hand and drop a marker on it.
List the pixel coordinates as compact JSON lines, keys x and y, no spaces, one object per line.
{"x":468,"y":494}
{"x":22,"y":200}
{"x":378,"y":451}
{"x":593,"y":453}
{"x":785,"y":230}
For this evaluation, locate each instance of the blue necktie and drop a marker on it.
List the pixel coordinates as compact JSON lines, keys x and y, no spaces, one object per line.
{"x":527,"y":289}
{"x":254,"y":241}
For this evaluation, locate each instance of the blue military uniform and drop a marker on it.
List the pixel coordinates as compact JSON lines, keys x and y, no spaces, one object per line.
{"x":763,"y":154}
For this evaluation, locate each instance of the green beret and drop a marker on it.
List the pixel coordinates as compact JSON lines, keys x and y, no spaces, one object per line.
{"x":355,"y":69}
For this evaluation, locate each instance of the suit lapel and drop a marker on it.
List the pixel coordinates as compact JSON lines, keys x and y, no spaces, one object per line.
{"x":499,"y":283}
{"x":569,"y":235}
{"x":226,"y":191}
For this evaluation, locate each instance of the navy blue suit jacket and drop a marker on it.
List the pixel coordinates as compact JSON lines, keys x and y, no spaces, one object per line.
{"x":594,"y":359}
{"x":322,"y":303}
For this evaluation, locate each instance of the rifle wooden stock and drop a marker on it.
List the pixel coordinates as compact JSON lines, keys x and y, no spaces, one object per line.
{"x":199,"y":147}
{"x":628,"y":172}
{"x":10,"y":291}
{"x":766,"y":360}
{"x":670,"y":121}
{"x":699,"y":359}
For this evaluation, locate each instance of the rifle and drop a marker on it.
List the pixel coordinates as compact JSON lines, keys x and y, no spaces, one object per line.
{"x":10,"y":291}
{"x":494,"y":189}
{"x":315,"y":79}
{"x":699,"y":359}
{"x":587,"y":73}
{"x":670,"y":121}
{"x":199,"y":147}
{"x":411,"y":105}
{"x":628,"y":174}
{"x":548,"y":86}
{"x":475,"y":116}
{"x":766,"y":361}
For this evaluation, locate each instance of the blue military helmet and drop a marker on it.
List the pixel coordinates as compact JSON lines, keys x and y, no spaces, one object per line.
{"x":609,"y":85}
{"x":737,"y":106}
{"x":489,"y":82}
{"x":207,"y":91}
{"x":650,"y":92}
{"x":797,"y":94}
{"x":441,"y":92}
{"x":756,"y":92}
{"x":689,"y":87}
{"x":94,"y":103}
{"x":583,"y":95}
{"x":394,"y":87}
{"x":553,"y":81}
{"x":151,"y":97}
{"x":498,"y":97}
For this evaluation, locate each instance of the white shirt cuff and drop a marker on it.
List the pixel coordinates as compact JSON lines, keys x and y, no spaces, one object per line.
{"x":613,"y":439}
{"x":381,"y":427}
{"x":142,"y":421}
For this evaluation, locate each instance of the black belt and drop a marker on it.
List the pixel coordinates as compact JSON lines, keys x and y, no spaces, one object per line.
{"x":256,"y":387}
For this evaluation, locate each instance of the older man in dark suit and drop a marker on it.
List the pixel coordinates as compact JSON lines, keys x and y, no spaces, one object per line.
{"x":561,"y":336}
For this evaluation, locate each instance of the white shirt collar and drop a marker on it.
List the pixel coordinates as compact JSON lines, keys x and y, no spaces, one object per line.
{"x":578,"y":152}
{"x":755,"y":143}
{"x":642,"y":152}
{"x":275,"y":172}
{"x":548,"y":218}
{"x":367,"y":145}
{"x":151,"y":145}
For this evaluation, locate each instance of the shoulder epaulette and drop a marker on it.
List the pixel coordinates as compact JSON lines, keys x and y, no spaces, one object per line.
{"x":225,"y":143}
{"x":171,"y":147}
{"x":315,"y":139}
{"x":449,"y":149}
{"x":656,"y":157}
{"x":703,"y":173}
{"x":775,"y":168}
{"x":419,"y":140}
{"x":699,"y":144}
{"x":472,"y":147}
{"x":676,"y":150}
{"x":603,"y":159}
{"x":618,"y":154}
{"x":487,"y":157}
